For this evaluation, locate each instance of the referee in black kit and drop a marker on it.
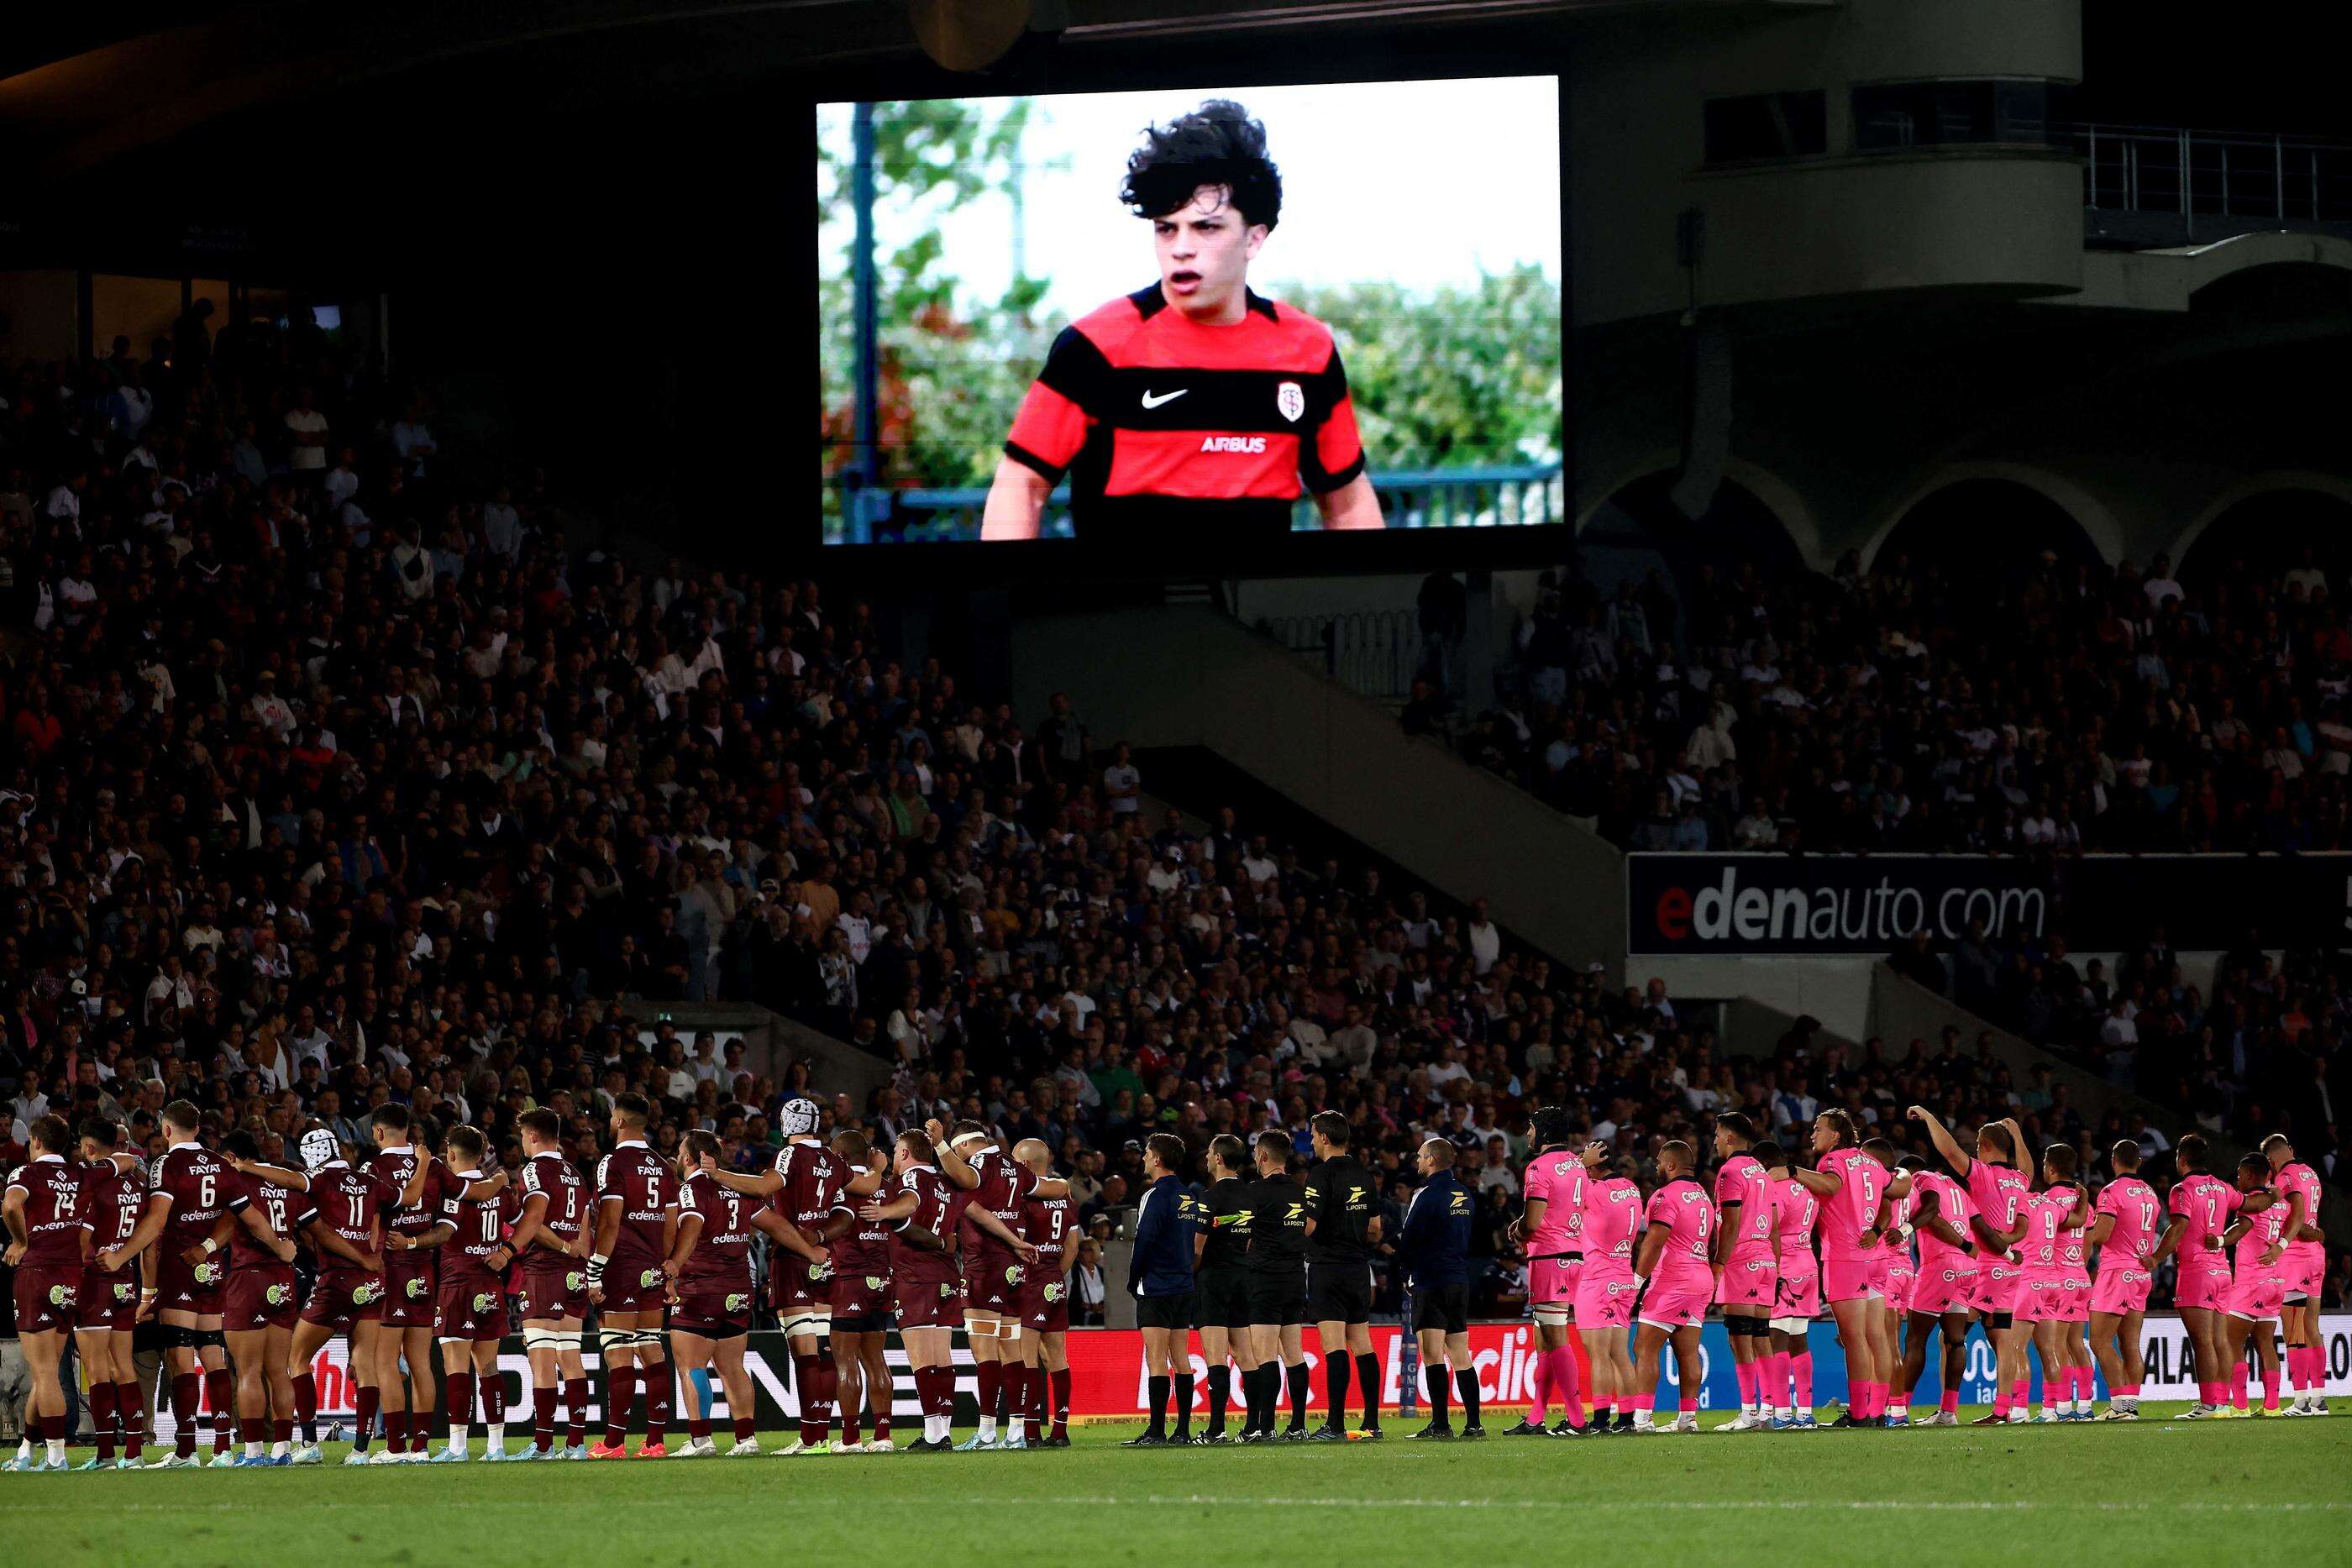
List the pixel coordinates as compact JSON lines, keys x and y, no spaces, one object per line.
{"x":1342,"y":1231}
{"x":1220,"y":1309}
{"x":1434,"y":1245}
{"x":1277,"y":1293}
{"x":1160,"y":1273}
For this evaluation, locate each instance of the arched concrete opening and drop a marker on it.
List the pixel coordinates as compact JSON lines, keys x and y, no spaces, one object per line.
{"x":1986,"y":513}
{"x":1640,"y":493}
{"x":2267,"y":523}
{"x":1972,"y":528}
{"x":1638,"y":532}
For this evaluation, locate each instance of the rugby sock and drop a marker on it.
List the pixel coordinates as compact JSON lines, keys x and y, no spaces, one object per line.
{"x":1540,"y":1406}
{"x":1184,"y":1404}
{"x":101,"y":1418}
{"x":1335,"y":1389}
{"x":371,"y":1398}
{"x":575,"y":1406}
{"x":991,"y":1377}
{"x":746,"y":1424}
{"x":1744,"y":1373}
{"x":805,"y":1375}
{"x":661,"y":1393}
{"x":1434,"y":1379}
{"x":619,"y":1393}
{"x":458,"y":1394}
{"x":183,"y":1413}
{"x":2237,"y":1385}
{"x":1950,"y":1403}
{"x":697,"y":1420}
{"x":1300,"y":1382}
{"x":395,"y":1431}
{"x":220,"y":1396}
{"x":1033,"y":1403}
{"x":130,"y":1410}
{"x":1566,"y":1385}
{"x":1368,"y":1380}
{"x":1159,"y":1388}
{"x":828,"y":1392}
{"x":1800,"y":1374}
{"x":306,"y":1405}
{"x":542,"y":1417}
{"x":2021,"y":1393}
{"x":1465,"y":1383}
{"x":494,"y":1409}
{"x":1062,"y":1402}
{"x":1221,"y":1391}
{"x":2270,"y":1387}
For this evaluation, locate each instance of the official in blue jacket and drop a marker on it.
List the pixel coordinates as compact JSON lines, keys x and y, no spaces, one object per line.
{"x":1161,"y":1275}
{"x":1434,"y":1247}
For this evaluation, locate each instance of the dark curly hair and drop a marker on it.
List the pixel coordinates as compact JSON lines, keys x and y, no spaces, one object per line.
{"x":1216,"y":144}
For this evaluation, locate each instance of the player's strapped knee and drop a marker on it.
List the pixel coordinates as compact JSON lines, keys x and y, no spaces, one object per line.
{"x":2004,"y":1320}
{"x":1552,"y":1317}
{"x":610,"y":1340}
{"x":177,"y":1338}
{"x":208,"y":1339}
{"x":1009,"y":1332}
{"x":1797,"y":1326}
{"x":550,"y":1339}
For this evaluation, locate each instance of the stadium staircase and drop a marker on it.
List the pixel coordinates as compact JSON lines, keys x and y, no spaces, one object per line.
{"x":1190,"y":686}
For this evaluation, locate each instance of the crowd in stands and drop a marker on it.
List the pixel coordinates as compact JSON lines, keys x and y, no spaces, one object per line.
{"x":339,"y":769}
{"x":2257,"y":1055}
{"x":2031,"y":707}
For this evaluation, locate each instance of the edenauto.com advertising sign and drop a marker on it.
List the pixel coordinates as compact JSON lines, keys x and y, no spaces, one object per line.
{"x":1694,"y":905}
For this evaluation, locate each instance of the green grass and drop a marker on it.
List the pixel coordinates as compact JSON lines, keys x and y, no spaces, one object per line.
{"x":2159,"y":1490}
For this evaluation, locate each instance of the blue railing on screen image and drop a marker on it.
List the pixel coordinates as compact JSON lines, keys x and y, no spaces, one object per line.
{"x":1518,"y":495}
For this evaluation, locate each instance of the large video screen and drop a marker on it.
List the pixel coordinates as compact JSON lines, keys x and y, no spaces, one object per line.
{"x":1196,"y":319}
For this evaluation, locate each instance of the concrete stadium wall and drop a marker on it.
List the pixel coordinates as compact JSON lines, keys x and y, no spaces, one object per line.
{"x":1184,"y":676}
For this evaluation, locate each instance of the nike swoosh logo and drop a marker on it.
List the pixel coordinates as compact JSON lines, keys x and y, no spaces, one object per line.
{"x":1151,"y":401}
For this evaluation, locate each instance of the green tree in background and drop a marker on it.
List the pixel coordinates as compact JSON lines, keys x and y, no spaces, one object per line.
{"x":1464,"y":377}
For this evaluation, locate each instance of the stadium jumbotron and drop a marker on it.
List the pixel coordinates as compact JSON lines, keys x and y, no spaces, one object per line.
{"x":1500,"y":732}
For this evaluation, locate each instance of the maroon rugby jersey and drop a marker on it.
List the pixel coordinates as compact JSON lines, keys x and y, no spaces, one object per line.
{"x":934,"y":1204}
{"x":1047,"y":1224}
{"x":282,"y":1209}
{"x":864,"y":1248}
{"x":549,"y":1176}
{"x":722,"y":1251}
{"x":115,"y":1198}
{"x":1004,"y":1188}
{"x":57,"y":1198}
{"x":199,"y":1184}
{"x":351,"y":1203}
{"x":645,"y":1189}
{"x":481,"y":1230}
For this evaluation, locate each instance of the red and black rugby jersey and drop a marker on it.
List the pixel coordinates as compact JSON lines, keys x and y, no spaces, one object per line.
{"x":1159,"y":419}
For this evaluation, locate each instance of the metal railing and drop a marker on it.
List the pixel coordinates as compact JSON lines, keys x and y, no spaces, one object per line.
{"x":1502,"y":495}
{"x":2217,"y":174}
{"x":1373,"y":653}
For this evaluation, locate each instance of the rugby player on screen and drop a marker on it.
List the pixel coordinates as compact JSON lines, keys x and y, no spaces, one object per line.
{"x":1192,"y":407}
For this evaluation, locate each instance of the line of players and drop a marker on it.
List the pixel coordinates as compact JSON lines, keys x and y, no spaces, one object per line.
{"x":410,"y":1249}
{"x":1777,"y":1239}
